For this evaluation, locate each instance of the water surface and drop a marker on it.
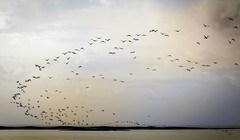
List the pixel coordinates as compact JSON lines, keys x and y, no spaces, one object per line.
{"x":120,"y":135}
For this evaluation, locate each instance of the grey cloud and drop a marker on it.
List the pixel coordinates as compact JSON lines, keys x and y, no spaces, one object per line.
{"x":218,"y":12}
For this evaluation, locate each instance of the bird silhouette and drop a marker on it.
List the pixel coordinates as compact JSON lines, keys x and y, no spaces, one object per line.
{"x":135,"y":39}
{"x":123,"y":41}
{"x":230,"y":19}
{"x":189,"y":61}
{"x":205,"y":25}
{"x":36,"y":77}
{"x":206,"y":37}
{"x":153,"y":30}
{"x":112,"y":53}
{"x":90,"y":43}
{"x":28,"y":80}
{"x":93,"y":40}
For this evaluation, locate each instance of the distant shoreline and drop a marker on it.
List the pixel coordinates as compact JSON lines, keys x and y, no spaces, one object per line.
{"x":106,"y":128}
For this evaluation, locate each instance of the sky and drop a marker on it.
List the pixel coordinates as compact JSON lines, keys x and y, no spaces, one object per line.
{"x":145,"y":81}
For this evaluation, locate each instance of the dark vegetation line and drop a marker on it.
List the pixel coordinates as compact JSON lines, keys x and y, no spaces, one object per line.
{"x":110,"y":128}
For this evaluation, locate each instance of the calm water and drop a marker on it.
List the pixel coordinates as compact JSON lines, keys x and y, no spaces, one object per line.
{"x":119,"y":135}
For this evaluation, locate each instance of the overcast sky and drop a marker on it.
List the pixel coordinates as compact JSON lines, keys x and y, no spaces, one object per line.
{"x":34,"y":30}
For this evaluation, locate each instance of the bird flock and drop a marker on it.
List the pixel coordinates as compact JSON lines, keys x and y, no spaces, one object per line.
{"x":78,"y":115}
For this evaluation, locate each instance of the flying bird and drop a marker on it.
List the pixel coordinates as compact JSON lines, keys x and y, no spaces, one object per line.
{"x":28,"y":80}
{"x":230,"y":19}
{"x":93,"y":40}
{"x":135,"y":39}
{"x":123,"y":41}
{"x":153,"y":30}
{"x":205,"y":25}
{"x":36,"y":77}
{"x":111,"y":53}
{"x":90,"y":43}
{"x":189,"y":61}
{"x":236,"y":27}
{"x":206,"y":37}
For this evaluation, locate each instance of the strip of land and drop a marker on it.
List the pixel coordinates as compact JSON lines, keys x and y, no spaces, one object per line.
{"x":106,"y":128}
